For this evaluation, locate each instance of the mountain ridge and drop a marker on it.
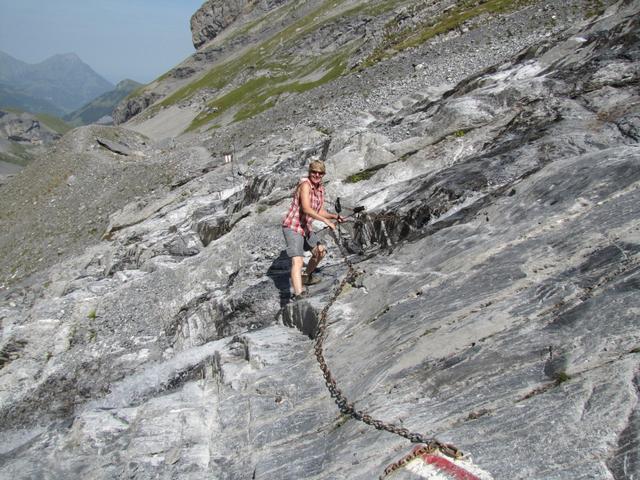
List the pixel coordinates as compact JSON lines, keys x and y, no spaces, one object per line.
{"x":62,"y":79}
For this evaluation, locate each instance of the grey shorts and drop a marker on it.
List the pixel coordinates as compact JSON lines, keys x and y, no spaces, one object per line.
{"x":297,"y":244}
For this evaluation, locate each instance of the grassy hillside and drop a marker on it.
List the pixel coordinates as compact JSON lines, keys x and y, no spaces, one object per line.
{"x":253,"y":81}
{"x":294,"y":54}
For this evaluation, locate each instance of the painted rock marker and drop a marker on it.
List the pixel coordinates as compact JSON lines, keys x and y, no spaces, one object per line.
{"x":437,"y":466}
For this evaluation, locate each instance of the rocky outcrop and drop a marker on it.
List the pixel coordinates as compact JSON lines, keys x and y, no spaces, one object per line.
{"x":495,"y":305}
{"x":216,"y":15}
{"x":23,"y":136}
{"x":26,"y":128}
{"x":130,"y":107}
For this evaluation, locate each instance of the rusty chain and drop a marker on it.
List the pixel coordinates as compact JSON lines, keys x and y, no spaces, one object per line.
{"x":348,"y":408}
{"x":417,"y":452}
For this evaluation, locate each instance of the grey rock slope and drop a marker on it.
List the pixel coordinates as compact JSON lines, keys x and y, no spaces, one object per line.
{"x":60,"y":202}
{"x":496,"y":308}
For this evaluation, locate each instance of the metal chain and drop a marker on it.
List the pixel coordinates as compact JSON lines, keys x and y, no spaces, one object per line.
{"x":417,"y":452}
{"x":348,"y":408}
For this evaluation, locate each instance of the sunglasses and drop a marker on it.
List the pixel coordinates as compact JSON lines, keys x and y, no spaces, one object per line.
{"x":317,"y":173}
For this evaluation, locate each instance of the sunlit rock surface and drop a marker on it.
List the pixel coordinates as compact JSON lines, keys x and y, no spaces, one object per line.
{"x":496,"y":308}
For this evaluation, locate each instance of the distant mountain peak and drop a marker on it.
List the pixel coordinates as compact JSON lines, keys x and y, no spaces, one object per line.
{"x":64,"y":80}
{"x":67,"y":56}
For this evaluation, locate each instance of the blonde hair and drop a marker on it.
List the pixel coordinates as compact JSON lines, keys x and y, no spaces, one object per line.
{"x":318,"y":166}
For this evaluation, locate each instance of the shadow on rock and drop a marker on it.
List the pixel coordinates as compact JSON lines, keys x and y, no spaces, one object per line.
{"x":301,"y":315}
{"x":279,"y":273}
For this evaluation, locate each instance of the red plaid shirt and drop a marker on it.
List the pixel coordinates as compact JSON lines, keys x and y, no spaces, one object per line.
{"x":298,"y":221}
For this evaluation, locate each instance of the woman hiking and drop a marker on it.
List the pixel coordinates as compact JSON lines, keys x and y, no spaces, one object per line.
{"x":306,"y":206}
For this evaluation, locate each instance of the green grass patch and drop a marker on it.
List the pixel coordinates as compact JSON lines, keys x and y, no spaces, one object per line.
{"x":259,"y":94}
{"x":364,"y":174}
{"x":459,"y":133}
{"x":562,"y":377}
{"x":595,"y":8}
{"x":267,"y":99}
{"x":429,"y":331}
{"x":140,"y":90}
{"x":54,"y":123}
{"x":340,"y":421}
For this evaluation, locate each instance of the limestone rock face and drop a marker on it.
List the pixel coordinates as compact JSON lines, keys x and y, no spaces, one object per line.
{"x":25,"y":128}
{"x":131,"y":107}
{"x":495,"y":306}
{"x":216,"y":15}
{"x":24,"y":136}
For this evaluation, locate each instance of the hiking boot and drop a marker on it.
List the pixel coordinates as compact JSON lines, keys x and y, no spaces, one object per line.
{"x":309,"y":279}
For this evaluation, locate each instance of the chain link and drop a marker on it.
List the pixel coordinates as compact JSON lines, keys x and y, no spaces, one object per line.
{"x":417,"y":452}
{"x":348,"y":408}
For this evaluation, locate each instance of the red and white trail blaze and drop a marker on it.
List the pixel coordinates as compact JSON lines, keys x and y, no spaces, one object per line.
{"x":436,"y":466}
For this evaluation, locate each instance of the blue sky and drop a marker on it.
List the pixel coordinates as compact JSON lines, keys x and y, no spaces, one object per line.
{"x":137,"y":39}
